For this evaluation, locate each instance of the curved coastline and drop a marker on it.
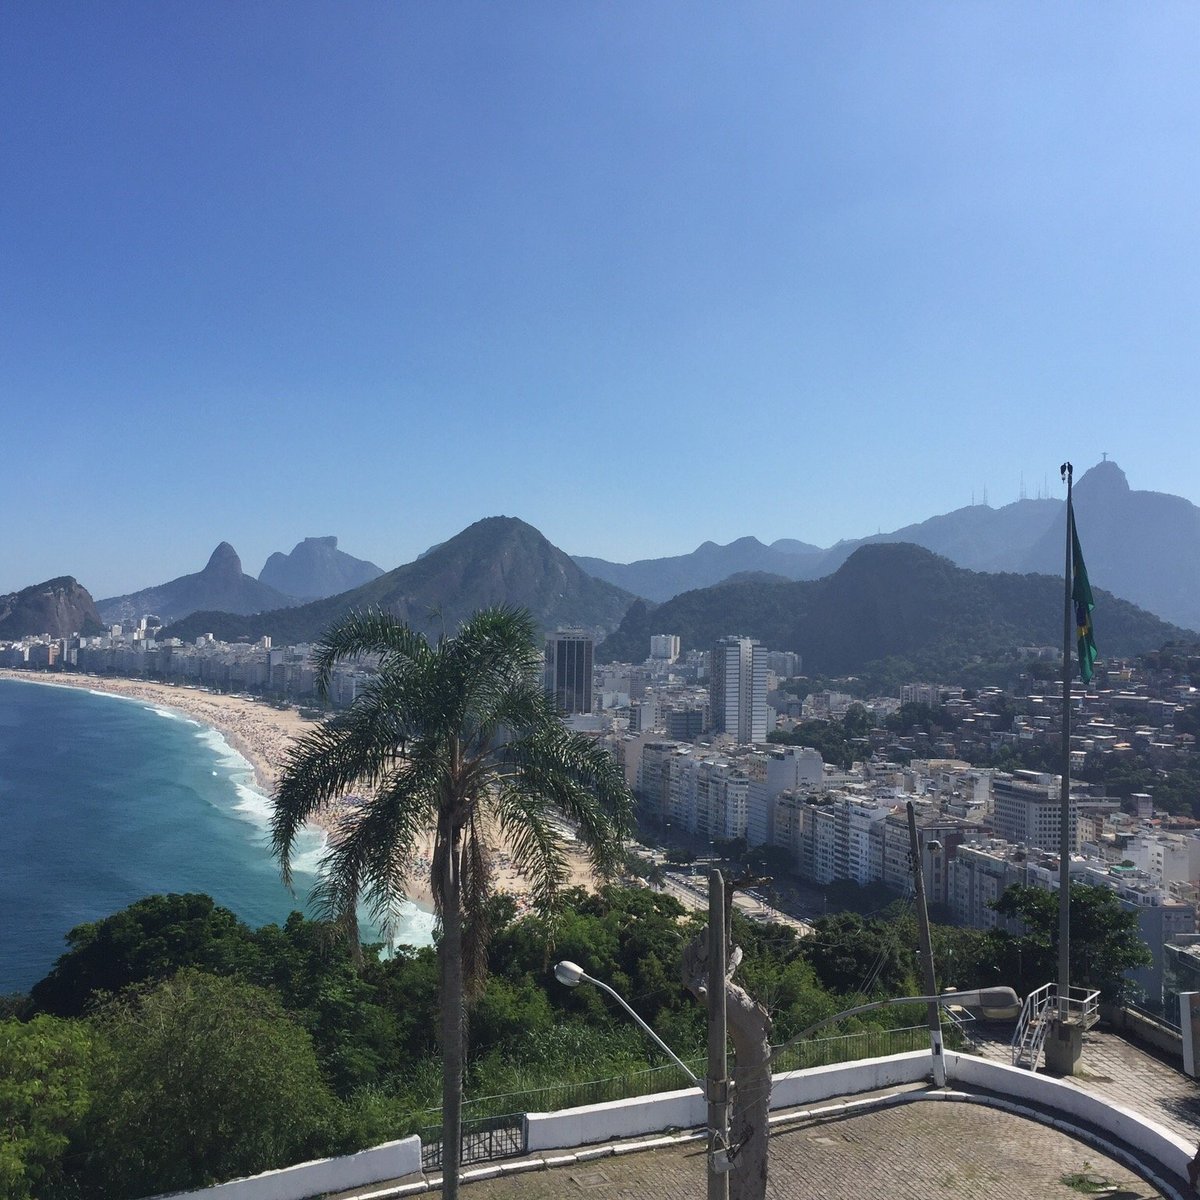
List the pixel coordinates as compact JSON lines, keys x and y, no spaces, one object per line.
{"x":262,"y":735}
{"x":259,"y":734}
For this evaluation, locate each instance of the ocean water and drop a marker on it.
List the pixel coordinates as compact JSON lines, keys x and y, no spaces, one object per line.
{"x":104,"y":800}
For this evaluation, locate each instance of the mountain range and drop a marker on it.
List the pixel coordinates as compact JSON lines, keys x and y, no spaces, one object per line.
{"x":1143,"y":546}
{"x":222,"y":584}
{"x":887,"y":600}
{"x":499,"y":560}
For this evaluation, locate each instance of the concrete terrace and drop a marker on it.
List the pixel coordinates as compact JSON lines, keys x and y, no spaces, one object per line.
{"x":904,"y":1142}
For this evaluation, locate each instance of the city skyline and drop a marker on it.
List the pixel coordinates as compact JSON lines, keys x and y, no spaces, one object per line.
{"x":276,"y":272}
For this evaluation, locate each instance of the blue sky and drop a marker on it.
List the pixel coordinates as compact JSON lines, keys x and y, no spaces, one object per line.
{"x":641,"y":274}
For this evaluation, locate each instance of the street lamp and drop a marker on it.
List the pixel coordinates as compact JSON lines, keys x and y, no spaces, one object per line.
{"x":999,"y":998}
{"x":719,"y":1159}
{"x":572,"y":975}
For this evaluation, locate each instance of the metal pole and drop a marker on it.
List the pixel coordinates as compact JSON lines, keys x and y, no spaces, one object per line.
{"x":933,"y":1010}
{"x":1064,"y":838}
{"x":718,"y":1080}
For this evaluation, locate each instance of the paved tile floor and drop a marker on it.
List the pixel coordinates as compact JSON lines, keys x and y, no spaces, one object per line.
{"x":1127,"y":1075}
{"x":918,"y":1151}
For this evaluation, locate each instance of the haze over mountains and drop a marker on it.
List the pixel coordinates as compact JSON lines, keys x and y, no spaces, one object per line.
{"x":222,"y":584}
{"x":316,"y":568}
{"x":1143,"y":546}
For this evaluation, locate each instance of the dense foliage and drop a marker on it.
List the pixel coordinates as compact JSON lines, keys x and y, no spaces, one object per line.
{"x":205,"y":1049}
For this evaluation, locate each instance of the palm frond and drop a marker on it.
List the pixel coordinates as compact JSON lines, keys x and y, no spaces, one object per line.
{"x":578,"y":778}
{"x":526,"y":822}
{"x":370,"y":856}
{"x":371,"y":632}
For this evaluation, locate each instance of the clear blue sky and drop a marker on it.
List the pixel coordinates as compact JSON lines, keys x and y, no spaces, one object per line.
{"x":642,"y":274}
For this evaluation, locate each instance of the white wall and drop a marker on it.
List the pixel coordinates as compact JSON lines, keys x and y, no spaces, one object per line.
{"x":686,"y":1109}
{"x":392,"y":1160}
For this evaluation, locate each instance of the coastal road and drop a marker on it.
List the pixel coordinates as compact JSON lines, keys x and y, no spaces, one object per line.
{"x":692,"y":892}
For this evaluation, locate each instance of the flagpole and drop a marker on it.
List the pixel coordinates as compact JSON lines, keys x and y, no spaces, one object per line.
{"x":1064,"y":839}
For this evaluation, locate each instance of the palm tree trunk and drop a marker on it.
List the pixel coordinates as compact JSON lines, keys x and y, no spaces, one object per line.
{"x":452,"y":1020}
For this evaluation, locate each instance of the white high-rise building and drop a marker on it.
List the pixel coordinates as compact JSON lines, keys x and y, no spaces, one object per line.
{"x":738,"y":689}
{"x":664,"y":646}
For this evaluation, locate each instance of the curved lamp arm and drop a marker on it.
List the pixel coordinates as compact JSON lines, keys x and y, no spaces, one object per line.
{"x":572,"y":976}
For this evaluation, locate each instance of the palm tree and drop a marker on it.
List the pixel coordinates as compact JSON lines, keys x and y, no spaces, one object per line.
{"x":455,"y":738}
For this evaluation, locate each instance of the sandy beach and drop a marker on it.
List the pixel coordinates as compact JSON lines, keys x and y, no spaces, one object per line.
{"x":262,"y":734}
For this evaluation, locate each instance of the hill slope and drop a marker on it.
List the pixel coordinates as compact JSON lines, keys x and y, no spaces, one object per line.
{"x":886,"y":601}
{"x":316,"y":568}
{"x":59,"y":607}
{"x":499,"y":560}
{"x":222,"y":584}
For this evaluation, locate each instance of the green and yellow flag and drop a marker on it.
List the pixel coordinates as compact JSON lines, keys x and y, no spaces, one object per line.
{"x":1081,"y":594}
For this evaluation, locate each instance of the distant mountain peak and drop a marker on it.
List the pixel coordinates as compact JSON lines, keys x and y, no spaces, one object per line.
{"x":496,"y":560}
{"x":221,"y":585}
{"x":1105,"y":478}
{"x":316,"y":568}
{"x":59,"y":607}
{"x":224,"y":560}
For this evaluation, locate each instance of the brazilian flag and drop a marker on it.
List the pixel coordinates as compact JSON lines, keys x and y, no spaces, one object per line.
{"x":1081,"y":594}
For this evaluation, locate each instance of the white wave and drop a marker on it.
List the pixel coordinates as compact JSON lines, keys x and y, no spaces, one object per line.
{"x":170,"y":714}
{"x":407,"y":925}
{"x":227,"y":756}
{"x":309,"y":850}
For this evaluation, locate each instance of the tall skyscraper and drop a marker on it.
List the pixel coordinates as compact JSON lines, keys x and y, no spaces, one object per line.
{"x":738,"y":689}
{"x":568,"y":672}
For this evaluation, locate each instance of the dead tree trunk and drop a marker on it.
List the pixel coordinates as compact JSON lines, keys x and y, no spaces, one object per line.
{"x":750,"y":1032}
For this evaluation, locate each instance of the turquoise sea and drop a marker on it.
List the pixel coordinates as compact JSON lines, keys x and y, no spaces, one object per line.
{"x":104,"y":800}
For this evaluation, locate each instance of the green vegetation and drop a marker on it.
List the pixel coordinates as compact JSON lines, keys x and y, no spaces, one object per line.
{"x":277,"y":1047}
{"x":1104,"y":940}
{"x":836,"y":741}
{"x":455,"y":739}
{"x":45,"y":1091}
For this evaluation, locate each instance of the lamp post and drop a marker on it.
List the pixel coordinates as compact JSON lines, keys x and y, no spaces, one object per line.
{"x":718,"y":1160}
{"x":572,"y":975}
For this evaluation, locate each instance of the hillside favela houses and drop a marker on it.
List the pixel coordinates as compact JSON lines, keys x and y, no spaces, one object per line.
{"x":696,"y":733}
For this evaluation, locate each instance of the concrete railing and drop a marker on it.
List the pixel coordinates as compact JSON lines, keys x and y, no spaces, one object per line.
{"x":686,"y":1109}
{"x":1044,"y":1097}
{"x":1153,"y":1142}
{"x":392,"y":1160}
{"x":1037,"y":1097}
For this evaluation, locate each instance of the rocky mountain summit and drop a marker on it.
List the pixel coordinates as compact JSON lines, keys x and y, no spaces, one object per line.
{"x":59,"y":607}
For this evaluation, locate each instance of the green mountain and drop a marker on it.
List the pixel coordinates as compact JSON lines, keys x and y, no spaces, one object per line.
{"x":222,"y":584}
{"x":886,"y":601}
{"x":499,"y":560}
{"x":59,"y":607}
